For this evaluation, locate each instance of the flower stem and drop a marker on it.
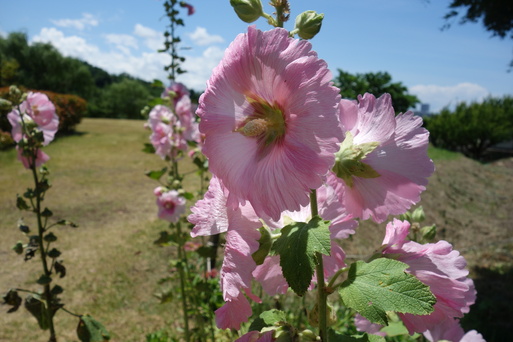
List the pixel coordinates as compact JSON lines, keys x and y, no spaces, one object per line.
{"x":322,"y":296}
{"x":46,"y":271}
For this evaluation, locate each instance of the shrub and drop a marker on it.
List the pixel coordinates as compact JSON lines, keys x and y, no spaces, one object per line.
{"x":69,"y":108}
{"x":473,"y":128}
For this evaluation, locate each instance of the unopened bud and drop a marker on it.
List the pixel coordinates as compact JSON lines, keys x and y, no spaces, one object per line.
{"x":308,"y":24}
{"x":428,"y":233}
{"x":5,"y":105}
{"x":247,"y":10}
{"x":418,"y":215}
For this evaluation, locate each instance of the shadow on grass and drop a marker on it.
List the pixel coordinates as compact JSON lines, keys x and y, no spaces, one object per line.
{"x":492,"y":314}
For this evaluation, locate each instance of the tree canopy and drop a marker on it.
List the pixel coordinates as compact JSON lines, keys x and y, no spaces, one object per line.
{"x":352,"y":85}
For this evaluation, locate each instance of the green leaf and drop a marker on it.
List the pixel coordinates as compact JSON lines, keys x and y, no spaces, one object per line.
{"x":264,"y":248}
{"x":59,"y":269}
{"x":18,"y":247}
{"x":57,"y":290}
{"x":188,"y":196}
{"x":156,"y":174}
{"x":50,"y":237}
{"x":54,"y":253}
{"x":66,"y":223}
{"x":148,"y":148}
{"x":37,"y":308}
{"x":383,"y":285}
{"x":297,"y":246}
{"x":13,"y":299}
{"x":46,"y":213}
{"x":267,"y":319}
{"x":90,"y":330}
{"x":44,"y":280}
{"x":21,"y":204}
{"x":335,"y":337}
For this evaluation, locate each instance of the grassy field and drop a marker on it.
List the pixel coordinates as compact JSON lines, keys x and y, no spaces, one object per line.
{"x":98,"y":182}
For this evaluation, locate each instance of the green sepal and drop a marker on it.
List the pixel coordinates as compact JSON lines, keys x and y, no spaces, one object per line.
{"x":46,"y":213}
{"x":90,"y":330}
{"x":382,"y":285}
{"x":265,"y":244}
{"x":297,"y":247}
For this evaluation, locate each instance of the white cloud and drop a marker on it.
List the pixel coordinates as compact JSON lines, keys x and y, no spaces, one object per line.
{"x":122,"y":42}
{"x":201,"y":37}
{"x":439,"y":97}
{"x":145,"y":65}
{"x":86,"y":20}
{"x":152,"y":39}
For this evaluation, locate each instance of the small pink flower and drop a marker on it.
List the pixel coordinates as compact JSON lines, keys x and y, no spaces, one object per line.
{"x":27,"y":162}
{"x":170,"y":204}
{"x":383,"y":163}
{"x":190,"y":8}
{"x":451,"y":330}
{"x":438,"y":266}
{"x":39,"y":109}
{"x":175,"y":91}
{"x":269,"y":116}
{"x":256,"y":336}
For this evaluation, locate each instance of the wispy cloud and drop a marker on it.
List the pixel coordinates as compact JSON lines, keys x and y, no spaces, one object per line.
{"x":152,"y":39}
{"x":123,"y":42}
{"x":439,"y":97}
{"x":201,"y":37}
{"x":79,"y":24}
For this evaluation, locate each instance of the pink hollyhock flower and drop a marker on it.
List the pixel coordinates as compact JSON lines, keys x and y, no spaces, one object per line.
{"x":255,"y":336}
{"x":269,"y":116}
{"x":167,"y":133}
{"x":436,"y":265}
{"x":170,"y":204}
{"x":37,"y":108}
{"x":175,"y":91}
{"x":233,"y":313}
{"x":383,"y":162}
{"x":190,"y":8}
{"x":451,"y":330}
{"x":364,"y":325}
{"x":27,"y":162}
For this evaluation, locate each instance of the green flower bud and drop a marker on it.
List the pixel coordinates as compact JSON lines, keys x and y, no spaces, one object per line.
{"x":5,"y":105}
{"x":418,"y":215}
{"x":428,"y":233}
{"x":308,"y":24}
{"x":247,"y":10}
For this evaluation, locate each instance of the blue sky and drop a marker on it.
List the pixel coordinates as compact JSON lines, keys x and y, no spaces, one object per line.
{"x":402,"y":37}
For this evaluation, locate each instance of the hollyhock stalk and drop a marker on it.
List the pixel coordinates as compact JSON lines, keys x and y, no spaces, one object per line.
{"x":322,"y":296}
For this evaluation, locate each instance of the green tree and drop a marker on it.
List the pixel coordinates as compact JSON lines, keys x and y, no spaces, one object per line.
{"x":125,"y":99}
{"x":495,"y":15}
{"x":473,"y":128}
{"x":352,"y":85}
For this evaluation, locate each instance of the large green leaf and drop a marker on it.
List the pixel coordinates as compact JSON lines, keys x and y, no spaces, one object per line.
{"x":383,"y":285}
{"x":90,"y":330}
{"x":297,"y":246}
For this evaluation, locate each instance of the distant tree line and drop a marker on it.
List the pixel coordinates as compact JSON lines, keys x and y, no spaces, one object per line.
{"x":40,"y":66}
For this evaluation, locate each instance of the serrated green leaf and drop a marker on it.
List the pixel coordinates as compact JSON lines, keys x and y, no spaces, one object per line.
{"x":383,"y":285}
{"x":90,"y":330}
{"x":156,"y":174}
{"x":297,"y":247}
{"x":267,"y":319}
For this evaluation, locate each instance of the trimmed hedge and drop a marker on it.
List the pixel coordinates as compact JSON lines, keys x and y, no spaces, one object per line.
{"x":69,"y":108}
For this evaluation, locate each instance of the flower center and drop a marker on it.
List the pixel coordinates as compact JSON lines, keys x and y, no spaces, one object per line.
{"x":267,"y":122}
{"x":348,"y":160}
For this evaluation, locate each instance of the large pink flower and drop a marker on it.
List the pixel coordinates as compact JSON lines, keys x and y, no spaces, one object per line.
{"x":451,"y":330}
{"x":269,"y":116}
{"x":28,"y":161}
{"x":438,"y":266}
{"x":383,"y":162}
{"x":170,"y":204}
{"x":38,"y":109}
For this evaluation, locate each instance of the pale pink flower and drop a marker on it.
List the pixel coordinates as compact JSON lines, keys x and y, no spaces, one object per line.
{"x":233,"y":313}
{"x":190,"y":8}
{"x":269,"y":116}
{"x":175,"y":91}
{"x":451,"y":330}
{"x":436,"y":265}
{"x":39,"y":109}
{"x":27,"y":162}
{"x":167,"y":133}
{"x":256,"y":336}
{"x":364,"y":325}
{"x":383,"y":162}
{"x":170,"y":204}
